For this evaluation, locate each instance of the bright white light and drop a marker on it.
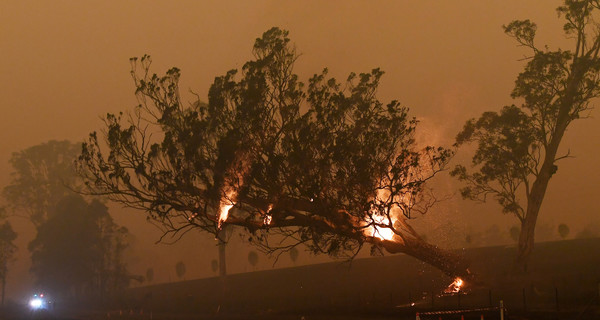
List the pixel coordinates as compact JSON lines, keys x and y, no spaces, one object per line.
{"x":36,"y":303}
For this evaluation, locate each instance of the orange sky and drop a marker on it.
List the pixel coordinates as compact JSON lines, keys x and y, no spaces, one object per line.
{"x":63,"y":64}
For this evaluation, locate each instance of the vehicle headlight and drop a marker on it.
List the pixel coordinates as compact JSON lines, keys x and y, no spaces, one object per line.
{"x":36,"y":303}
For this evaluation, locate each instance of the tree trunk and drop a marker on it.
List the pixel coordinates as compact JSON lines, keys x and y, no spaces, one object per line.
{"x":525,"y":244}
{"x":527,"y":236}
{"x":534,"y":203}
{"x":447,"y":261}
{"x":3,"y":286}
{"x":539,"y":186}
{"x":222,"y":246}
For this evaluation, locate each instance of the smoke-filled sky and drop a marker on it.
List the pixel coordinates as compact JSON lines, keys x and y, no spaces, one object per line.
{"x":64,"y":64}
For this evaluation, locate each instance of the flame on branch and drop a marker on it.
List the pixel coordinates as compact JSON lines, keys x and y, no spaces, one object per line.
{"x":225,"y":205}
{"x":379,"y":220}
{"x":399,"y":193}
{"x":268,"y":218}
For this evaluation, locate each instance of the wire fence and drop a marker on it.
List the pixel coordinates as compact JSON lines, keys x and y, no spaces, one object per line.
{"x":479,"y":313}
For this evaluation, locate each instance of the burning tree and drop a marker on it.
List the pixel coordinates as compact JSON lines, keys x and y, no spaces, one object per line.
{"x":517,"y":148}
{"x":326,"y":165}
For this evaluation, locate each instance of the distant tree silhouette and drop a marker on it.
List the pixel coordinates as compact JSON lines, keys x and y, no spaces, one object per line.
{"x":7,"y":250}
{"x":469,"y":239}
{"x":563,"y":230}
{"x":294,"y":254}
{"x":43,"y":175}
{"x":253,"y":258}
{"x":150,"y":274}
{"x":79,"y":249}
{"x":325,"y":164}
{"x":180,"y":269}
{"x":517,"y":147}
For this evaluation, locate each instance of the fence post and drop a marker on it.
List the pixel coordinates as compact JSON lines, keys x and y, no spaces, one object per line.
{"x":501,"y":310}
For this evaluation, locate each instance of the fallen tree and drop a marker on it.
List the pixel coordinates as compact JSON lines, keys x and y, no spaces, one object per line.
{"x":325,"y":165}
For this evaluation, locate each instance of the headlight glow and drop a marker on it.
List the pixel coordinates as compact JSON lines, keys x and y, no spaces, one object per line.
{"x":36,"y":303}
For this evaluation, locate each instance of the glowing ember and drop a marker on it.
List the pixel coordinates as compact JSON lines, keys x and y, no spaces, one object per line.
{"x":267,"y":217}
{"x":267,"y":220}
{"x":455,"y":286}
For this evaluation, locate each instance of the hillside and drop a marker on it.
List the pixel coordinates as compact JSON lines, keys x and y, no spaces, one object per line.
{"x":562,"y":274}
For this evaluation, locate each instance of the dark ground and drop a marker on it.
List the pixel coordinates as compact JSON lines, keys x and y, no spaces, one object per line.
{"x":313,"y":315}
{"x":562,"y":282}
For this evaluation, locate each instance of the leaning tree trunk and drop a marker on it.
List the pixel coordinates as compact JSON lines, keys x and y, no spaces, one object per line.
{"x":534,"y":203}
{"x":540,"y":185}
{"x":527,"y":235}
{"x":448,"y":262}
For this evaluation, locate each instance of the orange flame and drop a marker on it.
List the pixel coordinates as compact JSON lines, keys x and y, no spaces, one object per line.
{"x":455,"y":286}
{"x":226,"y":204}
{"x":383,"y":233}
{"x":267,"y":217}
{"x":267,"y":220}
{"x":379,"y":222}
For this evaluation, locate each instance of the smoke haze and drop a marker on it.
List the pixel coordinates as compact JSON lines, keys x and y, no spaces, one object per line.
{"x":64,"y":64}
